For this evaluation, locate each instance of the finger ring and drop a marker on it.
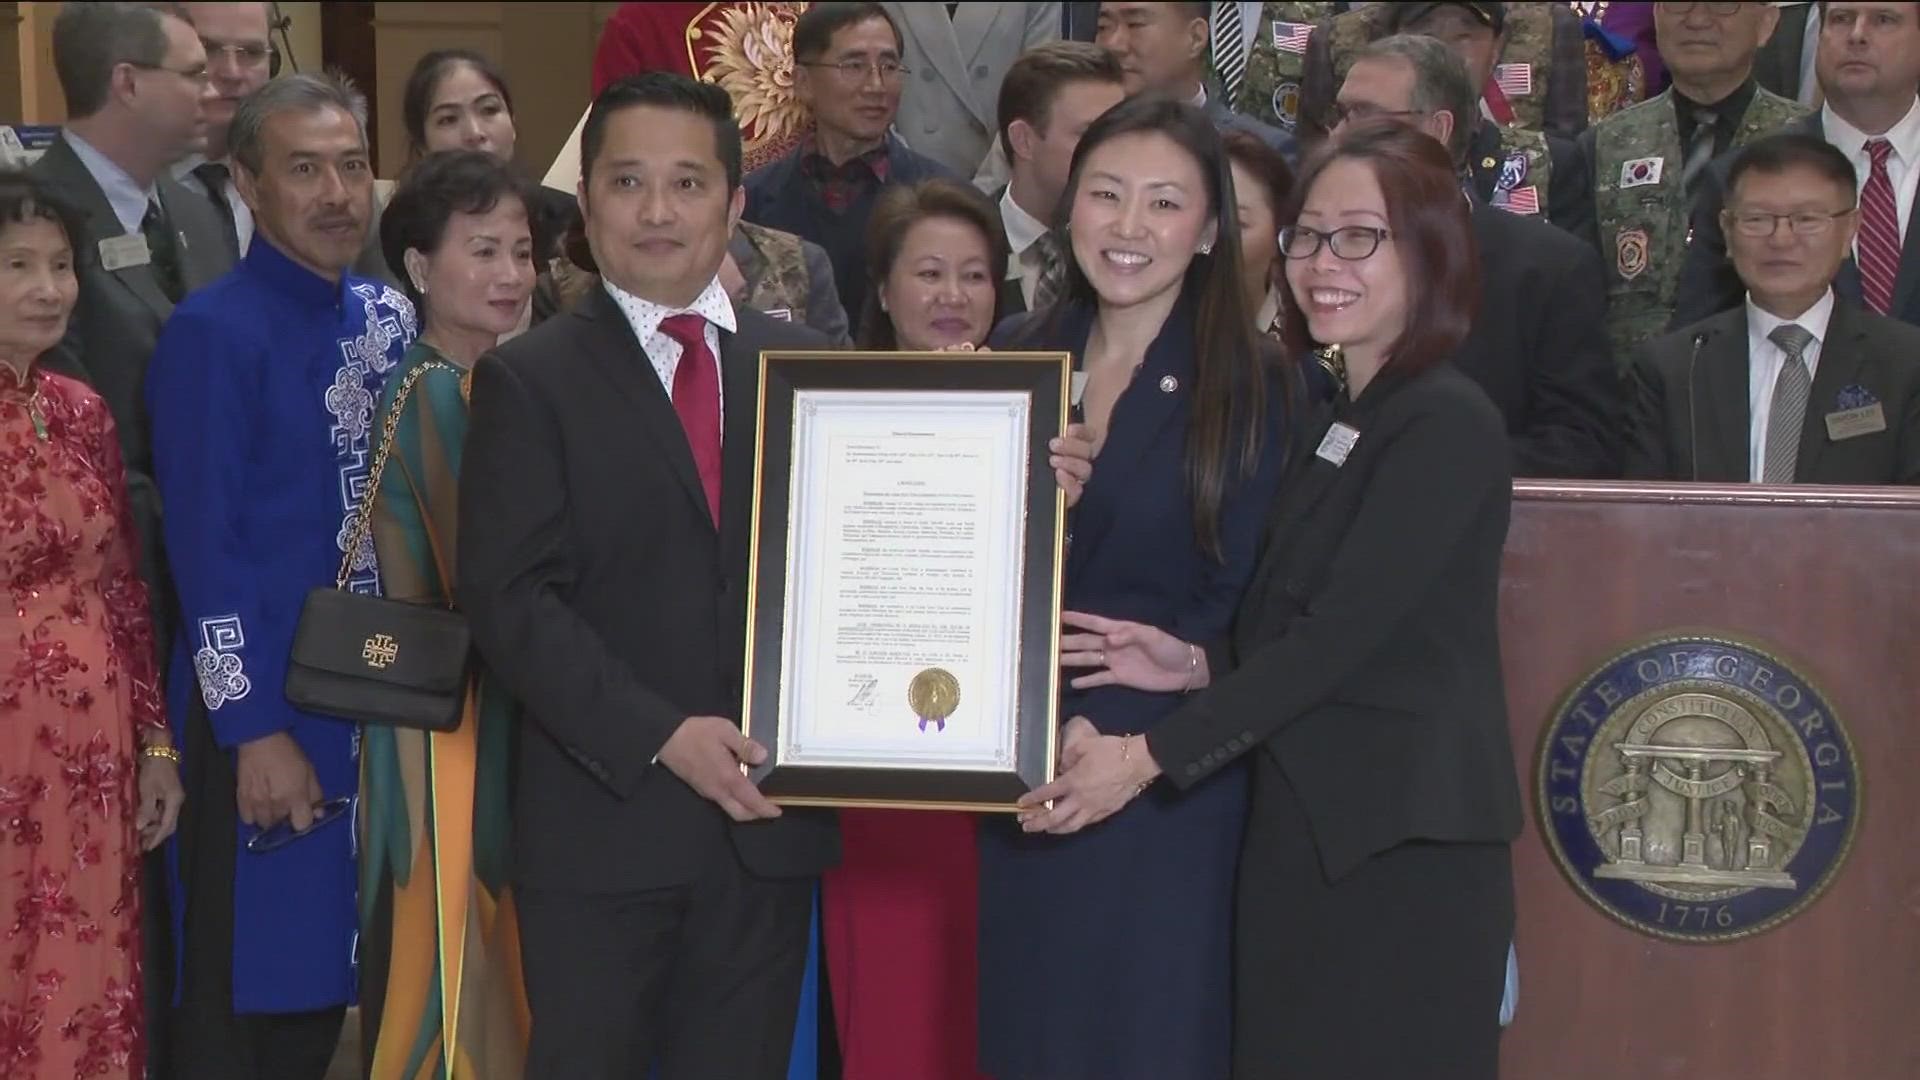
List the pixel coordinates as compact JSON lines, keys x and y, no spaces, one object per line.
{"x":1103,"y":658}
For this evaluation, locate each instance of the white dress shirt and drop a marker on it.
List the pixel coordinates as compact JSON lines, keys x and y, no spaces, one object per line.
{"x":128,"y":199}
{"x":1764,"y":361}
{"x":1023,"y":232}
{"x":237,"y":208}
{"x":1903,"y":165}
{"x":663,"y":351}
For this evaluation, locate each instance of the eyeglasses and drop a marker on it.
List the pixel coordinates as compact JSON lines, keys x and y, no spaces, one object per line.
{"x":1360,"y":112}
{"x":278,"y":836}
{"x":856,"y":71}
{"x":1349,"y":242}
{"x":199,"y":76}
{"x":1720,"y":10}
{"x":245,"y":54}
{"x":1759,"y":224}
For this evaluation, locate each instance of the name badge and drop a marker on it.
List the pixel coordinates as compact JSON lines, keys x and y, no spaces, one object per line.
{"x":783,"y":314}
{"x":120,"y":252}
{"x":1848,"y":423}
{"x":1642,"y":171}
{"x":1337,"y":444}
{"x":1077,"y":388}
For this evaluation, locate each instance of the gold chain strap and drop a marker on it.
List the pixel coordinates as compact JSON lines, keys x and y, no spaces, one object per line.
{"x":363,"y":514}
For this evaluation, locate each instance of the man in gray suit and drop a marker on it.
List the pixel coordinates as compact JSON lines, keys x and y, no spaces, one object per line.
{"x":1163,"y":47}
{"x":136,"y":85}
{"x":958,"y":53}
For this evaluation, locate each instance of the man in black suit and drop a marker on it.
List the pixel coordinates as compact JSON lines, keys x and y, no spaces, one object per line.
{"x":1868,"y":64}
{"x":605,"y":502}
{"x":1797,"y":385}
{"x":1538,"y":345}
{"x":1047,"y":100}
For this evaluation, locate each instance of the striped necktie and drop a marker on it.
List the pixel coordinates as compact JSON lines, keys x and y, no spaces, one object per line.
{"x":1878,"y":249}
{"x":1790,"y":392}
{"x":1229,"y":52}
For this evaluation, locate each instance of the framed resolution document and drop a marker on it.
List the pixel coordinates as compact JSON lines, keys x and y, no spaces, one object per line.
{"x":903,"y":605}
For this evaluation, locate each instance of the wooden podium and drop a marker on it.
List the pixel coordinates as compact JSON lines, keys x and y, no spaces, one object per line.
{"x":1827,"y":576}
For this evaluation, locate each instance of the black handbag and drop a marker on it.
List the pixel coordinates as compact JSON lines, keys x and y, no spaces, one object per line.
{"x":377,"y":660}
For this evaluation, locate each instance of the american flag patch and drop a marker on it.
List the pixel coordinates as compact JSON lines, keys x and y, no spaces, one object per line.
{"x":1516,"y":80}
{"x":1291,"y":36}
{"x":1524,"y":200}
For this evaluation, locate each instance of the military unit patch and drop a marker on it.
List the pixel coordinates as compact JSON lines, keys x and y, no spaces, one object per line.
{"x":1286,"y":104}
{"x":1630,"y":253}
{"x":1698,"y":789}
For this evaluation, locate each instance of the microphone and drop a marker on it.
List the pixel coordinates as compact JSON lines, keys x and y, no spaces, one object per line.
{"x":1693,"y":409}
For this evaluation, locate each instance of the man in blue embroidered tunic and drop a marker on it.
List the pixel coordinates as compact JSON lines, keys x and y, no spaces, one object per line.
{"x":261,"y":392}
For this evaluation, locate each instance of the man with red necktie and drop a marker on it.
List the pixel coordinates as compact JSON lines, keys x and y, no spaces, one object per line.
{"x":665,"y":905}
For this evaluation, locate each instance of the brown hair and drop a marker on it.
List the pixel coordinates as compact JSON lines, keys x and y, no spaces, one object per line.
{"x":1276,"y":176}
{"x":898,"y":209}
{"x":1231,"y":376}
{"x":1429,"y":223}
{"x":1037,"y":77}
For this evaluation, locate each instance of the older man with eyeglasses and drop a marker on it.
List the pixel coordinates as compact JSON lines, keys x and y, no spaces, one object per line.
{"x":1797,"y":385}
{"x":240,"y":59}
{"x":847,"y":71}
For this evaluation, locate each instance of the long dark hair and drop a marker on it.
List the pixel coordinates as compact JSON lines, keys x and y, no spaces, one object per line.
{"x":898,"y":210}
{"x":1431,"y":228}
{"x":428,"y":72}
{"x":1228,"y":424}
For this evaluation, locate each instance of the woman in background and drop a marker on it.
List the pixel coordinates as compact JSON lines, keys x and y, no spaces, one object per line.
{"x":89,"y":778}
{"x":1262,"y":183}
{"x":1107,"y":956}
{"x":901,"y":911}
{"x":1362,"y":675}
{"x":458,"y":99}
{"x":441,"y":990}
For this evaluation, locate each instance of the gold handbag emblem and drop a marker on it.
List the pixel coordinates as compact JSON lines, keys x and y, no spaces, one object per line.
{"x":380,"y":651}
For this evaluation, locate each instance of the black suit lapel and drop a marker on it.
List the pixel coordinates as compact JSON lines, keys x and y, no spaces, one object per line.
{"x":1841,"y":356}
{"x":1722,"y":419}
{"x":625,"y":364}
{"x":740,"y":375}
{"x":1906,"y":283}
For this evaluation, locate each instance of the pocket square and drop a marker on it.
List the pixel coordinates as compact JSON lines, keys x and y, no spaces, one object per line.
{"x":1855,"y":397}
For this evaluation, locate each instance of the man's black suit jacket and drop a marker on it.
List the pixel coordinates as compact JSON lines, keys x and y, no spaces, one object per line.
{"x":603,"y":599}
{"x":1691,"y":418}
{"x":1365,"y":658}
{"x":1708,"y":283}
{"x":1539,"y":347}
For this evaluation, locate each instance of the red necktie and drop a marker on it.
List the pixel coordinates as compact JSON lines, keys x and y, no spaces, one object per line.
{"x":1879,"y":244}
{"x":1497,"y":102}
{"x":696,"y":397}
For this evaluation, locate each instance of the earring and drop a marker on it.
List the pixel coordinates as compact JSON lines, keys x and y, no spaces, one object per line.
{"x":1206,"y":249}
{"x":419,"y":286}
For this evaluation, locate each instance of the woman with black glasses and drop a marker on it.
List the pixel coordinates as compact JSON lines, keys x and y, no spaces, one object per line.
{"x":1362,"y":673}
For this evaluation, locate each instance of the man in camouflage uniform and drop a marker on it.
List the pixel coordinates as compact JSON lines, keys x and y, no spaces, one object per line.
{"x":1542,"y":82}
{"x":1647,"y":161}
{"x":1515,"y":168}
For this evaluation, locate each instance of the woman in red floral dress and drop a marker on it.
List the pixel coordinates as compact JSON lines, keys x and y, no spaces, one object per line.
{"x":79,"y":701}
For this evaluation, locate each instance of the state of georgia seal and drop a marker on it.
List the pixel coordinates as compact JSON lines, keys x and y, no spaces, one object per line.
{"x":1698,"y":789}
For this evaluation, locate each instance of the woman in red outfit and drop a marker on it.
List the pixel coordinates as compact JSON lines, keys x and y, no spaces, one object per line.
{"x":901,"y":911}
{"x":88,"y":777}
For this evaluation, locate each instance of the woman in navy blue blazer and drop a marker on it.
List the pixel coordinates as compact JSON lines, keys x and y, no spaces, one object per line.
{"x":1108,"y":954}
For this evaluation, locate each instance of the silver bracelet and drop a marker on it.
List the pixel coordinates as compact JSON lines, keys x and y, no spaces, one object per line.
{"x":1193,"y":667}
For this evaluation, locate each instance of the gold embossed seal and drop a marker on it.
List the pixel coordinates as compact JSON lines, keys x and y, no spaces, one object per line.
{"x":933,"y":695}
